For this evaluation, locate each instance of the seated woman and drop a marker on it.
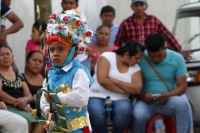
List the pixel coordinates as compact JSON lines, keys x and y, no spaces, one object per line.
{"x":32,"y":75}
{"x":13,"y":90}
{"x":101,"y":45}
{"x":117,"y":75}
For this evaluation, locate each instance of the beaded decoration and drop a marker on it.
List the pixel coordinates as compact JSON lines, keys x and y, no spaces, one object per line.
{"x":69,"y":28}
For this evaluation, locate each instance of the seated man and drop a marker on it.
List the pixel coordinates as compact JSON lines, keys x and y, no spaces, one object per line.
{"x":10,"y":122}
{"x":171,"y":101}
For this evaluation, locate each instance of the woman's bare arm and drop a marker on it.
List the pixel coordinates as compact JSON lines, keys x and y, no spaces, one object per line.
{"x":134,"y":87}
{"x":5,"y":97}
{"x":103,"y":67}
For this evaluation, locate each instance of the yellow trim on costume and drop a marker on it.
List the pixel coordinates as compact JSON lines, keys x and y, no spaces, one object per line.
{"x":77,"y":123}
{"x":59,"y":106}
{"x":62,"y":118}
{"x":65,"y":130}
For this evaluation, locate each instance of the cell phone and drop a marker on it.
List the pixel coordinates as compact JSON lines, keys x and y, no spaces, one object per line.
{"x":155,"y":95}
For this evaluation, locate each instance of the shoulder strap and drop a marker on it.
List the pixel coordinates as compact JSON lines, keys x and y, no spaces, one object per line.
{"x":156,"y":72}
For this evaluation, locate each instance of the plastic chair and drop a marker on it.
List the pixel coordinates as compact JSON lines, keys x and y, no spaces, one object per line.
{"x":170,"y":123}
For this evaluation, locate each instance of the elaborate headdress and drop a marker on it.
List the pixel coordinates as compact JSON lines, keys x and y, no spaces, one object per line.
{"x":69,"y":28}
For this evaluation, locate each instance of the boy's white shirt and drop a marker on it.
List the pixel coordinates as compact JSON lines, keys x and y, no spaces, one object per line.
{"x":79,"y":95}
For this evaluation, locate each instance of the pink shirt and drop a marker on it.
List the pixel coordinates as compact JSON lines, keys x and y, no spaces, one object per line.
{"x":30,"y":46}
{"x":96,"y":54}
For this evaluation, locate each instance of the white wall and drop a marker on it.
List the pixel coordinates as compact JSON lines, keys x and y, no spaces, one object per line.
{"x":17,"y":41}
{"x":165,"y":10}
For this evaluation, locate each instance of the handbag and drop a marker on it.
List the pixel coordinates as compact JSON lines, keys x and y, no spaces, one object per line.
{"x":156,"y":72}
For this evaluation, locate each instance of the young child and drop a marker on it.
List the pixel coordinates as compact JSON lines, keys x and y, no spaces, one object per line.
{"x":67,"y":35}
{"x":69,"y":5}
{"x":34,"y":44}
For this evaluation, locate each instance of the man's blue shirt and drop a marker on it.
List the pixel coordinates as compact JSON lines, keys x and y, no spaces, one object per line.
{"x":171,"y":67}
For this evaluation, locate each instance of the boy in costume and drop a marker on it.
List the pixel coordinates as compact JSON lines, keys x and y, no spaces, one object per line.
{"x":67,"y":35}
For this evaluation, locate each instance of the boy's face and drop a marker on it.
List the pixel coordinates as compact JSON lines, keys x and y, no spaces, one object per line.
{"x":69,"y":4}
{"x":107,"y":18}
{"x":139,"y":8}
{"x":58,"y":53}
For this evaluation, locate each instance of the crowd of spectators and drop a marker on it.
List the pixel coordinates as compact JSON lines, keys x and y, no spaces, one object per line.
{"x":118,"y":58}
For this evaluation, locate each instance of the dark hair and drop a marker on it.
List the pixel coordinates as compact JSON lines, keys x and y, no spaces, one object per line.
{"x":5,"y":46}
{"x":37,"y":25}
{"x":155,"y":42}
{"x":133,"y":47}
{"x":107,"y":9}
{"x":101,"y":26}
{"x":31,"y":53}
{"x":76,"y":1}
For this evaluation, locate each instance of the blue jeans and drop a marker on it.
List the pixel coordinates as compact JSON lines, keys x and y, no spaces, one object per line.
{"x":176,"y":106}
{"x":158,"y":123}
{"x":121,"y":115}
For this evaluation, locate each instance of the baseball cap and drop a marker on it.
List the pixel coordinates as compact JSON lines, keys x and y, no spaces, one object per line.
{"x":134,"y":1}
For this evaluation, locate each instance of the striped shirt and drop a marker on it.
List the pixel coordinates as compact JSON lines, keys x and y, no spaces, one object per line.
{"x":131,"y":30}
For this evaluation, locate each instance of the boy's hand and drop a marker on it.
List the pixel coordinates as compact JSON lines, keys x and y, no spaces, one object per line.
{"x":47,"y":114}
{"x":48,"y":98}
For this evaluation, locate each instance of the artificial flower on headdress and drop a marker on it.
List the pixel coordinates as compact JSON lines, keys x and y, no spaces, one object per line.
{"x":69,"y":28}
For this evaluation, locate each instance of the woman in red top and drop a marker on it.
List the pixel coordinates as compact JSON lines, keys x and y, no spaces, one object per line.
{"x":101,"y":45}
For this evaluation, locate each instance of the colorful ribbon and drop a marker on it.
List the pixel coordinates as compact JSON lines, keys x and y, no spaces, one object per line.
{"x":62,"y":40}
